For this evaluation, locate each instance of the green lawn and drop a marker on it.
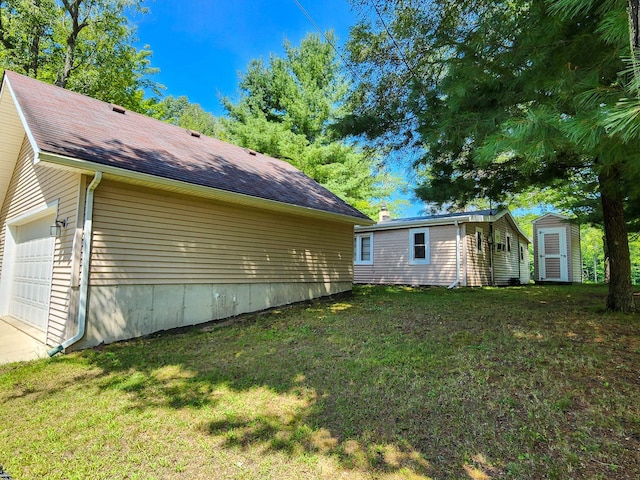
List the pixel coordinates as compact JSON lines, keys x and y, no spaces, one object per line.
{"x":392,"y":383}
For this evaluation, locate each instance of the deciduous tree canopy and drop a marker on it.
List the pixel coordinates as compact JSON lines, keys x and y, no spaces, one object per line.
{"x":82,"y":45}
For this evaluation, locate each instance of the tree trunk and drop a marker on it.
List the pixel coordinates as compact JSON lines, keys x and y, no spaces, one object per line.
{"x":606,"y":264}
{"x":68,"y":63}
{"x":34,"y":50}
{"x":620,"y":296}
{"x":633,"y":10}
{"x":73,"y":9}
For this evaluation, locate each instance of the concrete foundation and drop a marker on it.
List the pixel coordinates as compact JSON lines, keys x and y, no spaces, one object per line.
{"x":128,"y":311}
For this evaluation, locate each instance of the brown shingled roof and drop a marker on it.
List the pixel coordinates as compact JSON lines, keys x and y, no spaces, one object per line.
{"x":73,"y":125}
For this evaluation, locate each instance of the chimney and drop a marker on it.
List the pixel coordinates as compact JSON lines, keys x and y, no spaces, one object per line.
{"x":383,"y":216}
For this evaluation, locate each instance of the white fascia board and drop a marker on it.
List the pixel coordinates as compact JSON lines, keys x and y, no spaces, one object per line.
{"x":88,"y":167}
{"x":25,"y":125}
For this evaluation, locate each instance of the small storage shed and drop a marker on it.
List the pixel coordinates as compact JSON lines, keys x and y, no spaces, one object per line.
{"x":556,"y":250}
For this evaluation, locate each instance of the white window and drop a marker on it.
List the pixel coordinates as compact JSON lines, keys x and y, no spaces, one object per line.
{"x":479,"y":239}
{"x":521,"y":253}
{"x":364,"y":249}
{"x":497,"y":240}
{"x":419,"y":245}
{"x":508,"y":247}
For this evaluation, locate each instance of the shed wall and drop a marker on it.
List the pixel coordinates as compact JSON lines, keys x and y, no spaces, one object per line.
{"x":391,"y":259}
{"x":576,"y":254}
{"x":33,"y":186}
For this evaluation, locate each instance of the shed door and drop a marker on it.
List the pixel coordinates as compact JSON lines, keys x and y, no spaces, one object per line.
{"x":32,"y":273}
{"x":552,"y":251}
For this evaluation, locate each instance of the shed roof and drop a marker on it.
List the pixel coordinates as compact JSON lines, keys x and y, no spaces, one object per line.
{"x":558,"y":216}
{"x":476,"y":216}
{"x":66,"y":125}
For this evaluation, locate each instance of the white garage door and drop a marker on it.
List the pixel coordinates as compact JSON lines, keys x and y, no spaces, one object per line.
{"x":32,"y":270}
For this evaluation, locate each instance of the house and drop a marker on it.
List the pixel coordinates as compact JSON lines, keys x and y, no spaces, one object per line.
{"x":557,"y":255}
{"x":461,"y":249}
{"x":115,"y":225}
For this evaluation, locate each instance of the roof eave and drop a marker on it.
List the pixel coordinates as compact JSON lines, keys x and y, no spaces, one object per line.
{"x":417,"y":223}
{"x":87,"y":167}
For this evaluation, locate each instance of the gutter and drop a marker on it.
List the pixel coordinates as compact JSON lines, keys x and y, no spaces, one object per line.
{"x":86,"y":259}
{"x":457,"y":280}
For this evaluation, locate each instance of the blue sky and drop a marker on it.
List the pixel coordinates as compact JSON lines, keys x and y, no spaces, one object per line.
{"x":201,"y":46}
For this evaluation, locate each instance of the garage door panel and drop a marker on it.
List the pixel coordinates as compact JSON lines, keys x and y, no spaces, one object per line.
{"x":32,"y":274}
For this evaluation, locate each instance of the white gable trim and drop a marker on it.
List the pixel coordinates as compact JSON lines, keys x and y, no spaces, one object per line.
{"x":25,"y":125}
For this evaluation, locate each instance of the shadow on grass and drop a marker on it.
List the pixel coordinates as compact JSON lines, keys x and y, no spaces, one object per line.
{"x":400,"y":379}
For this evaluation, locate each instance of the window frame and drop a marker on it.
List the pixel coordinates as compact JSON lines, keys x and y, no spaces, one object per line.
{"x":427,"y":247}
{"x":508,"y":243}
{"x":357,"y":254}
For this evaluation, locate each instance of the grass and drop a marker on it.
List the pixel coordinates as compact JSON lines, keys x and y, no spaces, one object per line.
{"x":392,"y":383}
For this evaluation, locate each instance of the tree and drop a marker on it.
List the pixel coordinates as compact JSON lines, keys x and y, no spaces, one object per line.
{"x":287,"y":108}
{"x":179,"y":111}
{"x":82,"y":45}
{"x":503,"y":97}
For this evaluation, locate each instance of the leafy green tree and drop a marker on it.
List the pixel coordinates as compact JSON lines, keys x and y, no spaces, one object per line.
{"x":503,"y":97}
{"x":179,"y":111}
{"x":286,"y":109}
{"x":82,"y":45}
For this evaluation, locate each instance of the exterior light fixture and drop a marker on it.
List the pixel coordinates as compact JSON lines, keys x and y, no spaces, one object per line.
{"x":56,"y":230}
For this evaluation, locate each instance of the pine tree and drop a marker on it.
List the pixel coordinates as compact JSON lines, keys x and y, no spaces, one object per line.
{"x":503,"y":97}
{"x":287,"y":109}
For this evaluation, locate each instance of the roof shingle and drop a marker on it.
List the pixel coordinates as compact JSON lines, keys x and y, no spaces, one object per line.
{"x":73,"y":125}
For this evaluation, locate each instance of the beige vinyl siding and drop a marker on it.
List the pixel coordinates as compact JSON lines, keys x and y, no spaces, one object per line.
{"x":34,"y":186}
{"x":477,"y":265}
{"x":525,"y":272}
{"x":575,"y":270}
{"x":12,"y":137}
{"x":149,"y":237}
{"x":391,"y":263}
{"x":507,"y":265}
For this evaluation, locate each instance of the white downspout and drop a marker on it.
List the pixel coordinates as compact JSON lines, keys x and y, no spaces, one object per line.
{"x":491,"y":260}
{"x":457,"y":280}
{"x":86,"y":259}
